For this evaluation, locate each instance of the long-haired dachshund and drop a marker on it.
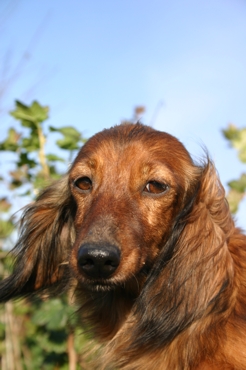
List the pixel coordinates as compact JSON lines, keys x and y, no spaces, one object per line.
{"x":147,"y":235}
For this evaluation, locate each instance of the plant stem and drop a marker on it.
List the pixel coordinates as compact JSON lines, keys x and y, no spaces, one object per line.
{"x":41,"y":154}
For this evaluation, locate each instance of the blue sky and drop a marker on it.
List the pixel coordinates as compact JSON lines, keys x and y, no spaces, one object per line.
{"x":93,"y":61}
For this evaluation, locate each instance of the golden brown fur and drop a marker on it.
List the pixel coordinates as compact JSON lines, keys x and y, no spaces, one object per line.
{"x":160,"y":267}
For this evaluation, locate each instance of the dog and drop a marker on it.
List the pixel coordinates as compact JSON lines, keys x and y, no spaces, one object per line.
{"x":146,"y":236}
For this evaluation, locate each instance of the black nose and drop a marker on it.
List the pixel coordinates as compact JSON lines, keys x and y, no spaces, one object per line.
{"x":98,"y":260}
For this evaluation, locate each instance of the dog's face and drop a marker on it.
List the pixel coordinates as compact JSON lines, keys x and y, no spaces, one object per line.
{"x":128,"y":191}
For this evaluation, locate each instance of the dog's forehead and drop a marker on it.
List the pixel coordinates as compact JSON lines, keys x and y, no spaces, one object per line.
{"x":134,"y":153}
{"x":129,"y":141}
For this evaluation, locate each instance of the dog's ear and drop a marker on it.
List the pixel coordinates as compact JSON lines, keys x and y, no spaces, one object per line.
{"x":193,"y":274}
{"x":41,"y":253}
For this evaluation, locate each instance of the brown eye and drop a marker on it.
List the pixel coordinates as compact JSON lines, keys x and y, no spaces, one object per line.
{"x":155,"y":187}
{"x":83,"y":183}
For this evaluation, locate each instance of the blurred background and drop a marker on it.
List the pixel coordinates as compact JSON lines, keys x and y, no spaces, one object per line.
{"x":182,"y":63}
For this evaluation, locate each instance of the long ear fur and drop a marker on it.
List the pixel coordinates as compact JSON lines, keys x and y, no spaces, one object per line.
{"x":41,"y":253}
{"x":192,"y":277}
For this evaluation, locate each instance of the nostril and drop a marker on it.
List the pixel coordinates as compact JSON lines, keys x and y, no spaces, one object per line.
{"x":86,"y":262}
{"x":98,"y":260}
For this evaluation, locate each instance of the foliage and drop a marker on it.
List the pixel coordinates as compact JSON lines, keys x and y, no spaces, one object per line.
{"x":237,"y":139}
{"x":35,"y":333}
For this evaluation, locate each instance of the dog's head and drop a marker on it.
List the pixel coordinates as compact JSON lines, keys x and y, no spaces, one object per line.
{"x":129,"y":184}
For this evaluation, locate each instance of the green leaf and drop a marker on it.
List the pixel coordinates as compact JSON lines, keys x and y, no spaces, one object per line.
{"x":234,"y":198}
{"x":67,"y":143}
{"x":239,"y":185}
{"x":67,"y":131}
{"x":39,"y":182}
{"x":31,"y":115}
{"x":54,"y":158}
{"x":31,"y":144}
{"x":40,"y":113}
{"x":237,"y":138}
{"x":231,"y":133}
{"x":71,"y":137}
{"x":53,"y":315}
{"x":6,"y":228}
{"x":53,"y":173}
{"x":23,"y":113}
{"x":25,"y":160}
{"x":51,"y":342}
{"x":11,"y":142}
{"x":242,"y":154}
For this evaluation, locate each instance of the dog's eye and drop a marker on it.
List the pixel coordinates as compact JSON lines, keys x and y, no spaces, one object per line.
{"x":155,"y":187}
{"x":83,"y":183}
